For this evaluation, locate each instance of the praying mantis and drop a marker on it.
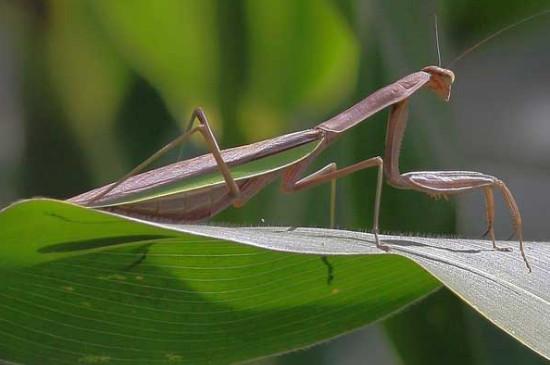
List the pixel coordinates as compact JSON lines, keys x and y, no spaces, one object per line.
{"x":191,"y":190}
{"x":197,"y":189}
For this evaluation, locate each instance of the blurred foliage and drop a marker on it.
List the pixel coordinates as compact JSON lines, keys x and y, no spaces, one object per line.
{"x":108,"y":82}
{"x":302,"y":57}
{"x":90,"y":80}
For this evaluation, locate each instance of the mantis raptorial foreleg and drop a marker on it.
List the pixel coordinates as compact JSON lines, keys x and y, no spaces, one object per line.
{"x":490,"y":213}
{"x":204,"y":129}
{"x":453,"y":182}
{"x":437,"y":183}
{"x":331,"y":173}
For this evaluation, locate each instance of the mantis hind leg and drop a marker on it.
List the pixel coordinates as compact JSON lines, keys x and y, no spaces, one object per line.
{"x":204,"y":129}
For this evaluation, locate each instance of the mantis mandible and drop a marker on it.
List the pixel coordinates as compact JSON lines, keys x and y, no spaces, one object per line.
{"x":197,"y":189}
{"x":159,"y":194}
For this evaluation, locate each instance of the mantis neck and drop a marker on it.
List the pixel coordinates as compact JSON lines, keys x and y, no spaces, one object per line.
{"x":397,"y":123}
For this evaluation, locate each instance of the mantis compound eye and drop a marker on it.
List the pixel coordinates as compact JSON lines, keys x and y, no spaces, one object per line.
{"x":440,"y":81}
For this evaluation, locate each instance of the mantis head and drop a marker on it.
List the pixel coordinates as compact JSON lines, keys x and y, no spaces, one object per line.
{"x":440,"y":81}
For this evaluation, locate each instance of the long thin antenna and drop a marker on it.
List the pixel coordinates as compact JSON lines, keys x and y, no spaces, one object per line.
{"x":497,"y":33}
{"x":437,"y":40}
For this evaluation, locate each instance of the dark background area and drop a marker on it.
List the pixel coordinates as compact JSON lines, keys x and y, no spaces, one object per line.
{"x":88,"y":89}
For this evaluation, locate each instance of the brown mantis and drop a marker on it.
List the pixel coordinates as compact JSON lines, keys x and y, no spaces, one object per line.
{"x":192,"y":190}
{"x":199,"y":188}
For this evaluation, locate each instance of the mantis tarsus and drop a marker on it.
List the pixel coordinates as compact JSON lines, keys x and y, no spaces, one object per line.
{"x":130,"y":194}
{"x":192,"y":190}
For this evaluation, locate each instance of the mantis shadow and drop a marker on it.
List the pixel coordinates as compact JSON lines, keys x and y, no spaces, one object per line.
{"x":409,"y":243}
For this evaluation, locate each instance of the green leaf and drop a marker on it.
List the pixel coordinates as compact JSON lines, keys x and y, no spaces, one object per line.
{"x":82,"y":286}
{"x":86,"y":286}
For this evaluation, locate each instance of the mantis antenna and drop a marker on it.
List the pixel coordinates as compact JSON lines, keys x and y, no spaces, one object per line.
{"x":437,"y":41}
{"x":497,"y":33}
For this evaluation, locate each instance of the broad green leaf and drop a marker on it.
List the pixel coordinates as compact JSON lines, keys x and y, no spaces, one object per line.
{"x":87,"y":286}
{"x":496,"y":284}
{"x":82,"y":286}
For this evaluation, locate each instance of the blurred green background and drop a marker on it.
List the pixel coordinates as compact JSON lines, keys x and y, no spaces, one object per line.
{"x":88,"y":89}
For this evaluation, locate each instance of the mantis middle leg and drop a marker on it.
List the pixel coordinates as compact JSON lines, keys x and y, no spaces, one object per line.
{"x":292,"y":182}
